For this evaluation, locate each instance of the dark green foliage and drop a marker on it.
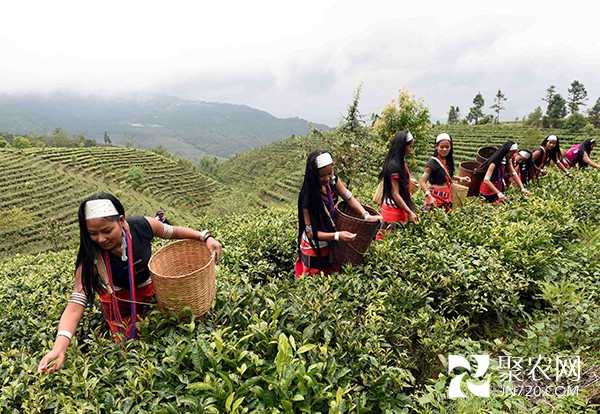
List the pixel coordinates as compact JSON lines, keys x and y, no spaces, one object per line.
{"x":363,"y":340}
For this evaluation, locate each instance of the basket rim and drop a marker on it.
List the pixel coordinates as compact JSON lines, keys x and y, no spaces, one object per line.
{"x":168,"y":246}
{"x":347,"y":216}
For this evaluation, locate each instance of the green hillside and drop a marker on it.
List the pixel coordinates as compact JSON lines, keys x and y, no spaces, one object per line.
{"x":42,"y":187}
{"x":274,"y":173}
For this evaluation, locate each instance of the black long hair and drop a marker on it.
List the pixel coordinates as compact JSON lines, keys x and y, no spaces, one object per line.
{"x":527,"y":171}
{"x":497,"y":158}
{"x":449,"y":157}
{"x":554,"y":154}
{"x":311,"y":193}
{"x":395,"y":163}
{"x":585,"y":147}
{"x":85,"y":256}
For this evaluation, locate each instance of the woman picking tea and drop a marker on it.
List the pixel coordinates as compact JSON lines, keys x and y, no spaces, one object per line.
{"x":112,"y":262}
{"x":316,"y":214}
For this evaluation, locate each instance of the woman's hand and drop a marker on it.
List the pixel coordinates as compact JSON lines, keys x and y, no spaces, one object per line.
{"x":369,"y":217}
{"x":501,"y":196}
{"x":214,"y":247}
{"x":543,"y":172}
{"x":347,"y":236}
{"x":57,"y":356}
{"x":412,"y":217}
{"x":431,"y":199}
{"x":465,"y":180}
{"x":525,"y":192}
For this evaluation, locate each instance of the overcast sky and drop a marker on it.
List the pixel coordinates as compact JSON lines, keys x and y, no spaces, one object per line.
{"x":304,"y":59}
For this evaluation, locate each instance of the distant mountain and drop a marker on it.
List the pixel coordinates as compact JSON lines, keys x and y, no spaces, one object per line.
{"x":189,"y":129}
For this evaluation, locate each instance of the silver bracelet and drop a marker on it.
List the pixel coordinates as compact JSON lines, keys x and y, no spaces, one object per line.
{"x":64,"y":333}
{"x":167,"y":231}
{"x":336,"y":236}
{"x":78,"y":298}
{"x":204,"y":234}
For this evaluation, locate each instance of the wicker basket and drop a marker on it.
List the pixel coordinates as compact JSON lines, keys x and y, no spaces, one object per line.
{"x":467,"y":169}
{"x":346,"y":219}
{"x":183,"y":274}
{"x":484,"y":153}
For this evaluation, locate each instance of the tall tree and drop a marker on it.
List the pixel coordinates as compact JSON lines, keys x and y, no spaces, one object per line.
{"x":476,"y":112}
{"x":577,"y":96}
{"x":550,"y":92}
{"x":534,"y":119}
{"x":556,"y":110}
{"x":454,"y":115}
{"x":354,"y":119}
{"x":594,"y":114}
{"x":498,"y":106}
{"x":106,"y":139}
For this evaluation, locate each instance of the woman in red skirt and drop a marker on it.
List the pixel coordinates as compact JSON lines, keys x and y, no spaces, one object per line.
{"x":316,"y":214}
{"x":396,"y":206}
{"x":495,"y":170}
{"x":112,"y":261}
{"x":439,"y":171}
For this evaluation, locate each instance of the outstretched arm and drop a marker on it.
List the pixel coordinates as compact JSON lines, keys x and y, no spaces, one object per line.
{"x":67,"y":327}
{"x":588,"y":161}
{"x":353,"y":202}
{"x":167,"y":231}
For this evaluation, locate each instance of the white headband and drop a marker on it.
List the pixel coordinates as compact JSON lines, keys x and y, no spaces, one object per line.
{"x":514,"y":147}
{"x":409,"y":137}
{"x":525,"y":154}
{"x":100,"y":208}
{"x":552,"y":138}
{"x":442,"y":137}
{"x":324,"y":160}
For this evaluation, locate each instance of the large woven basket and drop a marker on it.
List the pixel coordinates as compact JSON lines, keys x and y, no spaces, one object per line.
{"x":467,"y":169}
{"x":183,"y":274}
{"x":484,"y":153}
{"x":346,"y":219}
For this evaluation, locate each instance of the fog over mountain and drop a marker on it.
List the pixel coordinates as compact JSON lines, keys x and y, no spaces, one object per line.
{"x":188,"y":128}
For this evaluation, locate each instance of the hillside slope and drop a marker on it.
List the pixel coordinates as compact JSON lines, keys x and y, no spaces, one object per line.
{"x":42,"y":189}
{"x":274,"y":173}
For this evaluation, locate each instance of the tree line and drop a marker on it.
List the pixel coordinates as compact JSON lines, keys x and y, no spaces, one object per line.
{"x":556,"y":116}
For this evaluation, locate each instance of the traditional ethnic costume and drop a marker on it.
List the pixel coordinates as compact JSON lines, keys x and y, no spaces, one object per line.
{"x":521,"y":169}
{"x":122,"y":305}
{"x":313,"y":259}
{"x":544,"y":160}
{"x":498,"y":181}
{"x":439,"y":176}
{"x":390,"y":211}
{"x":570,"y":158}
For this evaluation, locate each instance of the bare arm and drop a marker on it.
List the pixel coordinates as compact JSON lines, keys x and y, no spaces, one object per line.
{"x":588,"y":161}
{"x":535,"y":155}
{"x":69,"y":321}
{"x":488,"y":175}
{"x":423,"y":183}
{"x":158,"y":230}
{"x":354,"y":204}
{"x":326,"y":236}
{"x":516,"y":178}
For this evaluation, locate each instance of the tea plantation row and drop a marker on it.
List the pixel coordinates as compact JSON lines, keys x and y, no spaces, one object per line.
{"x":519,"y":279}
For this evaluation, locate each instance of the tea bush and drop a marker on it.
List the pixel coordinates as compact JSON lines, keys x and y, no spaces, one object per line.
{"x":516,"y":279}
